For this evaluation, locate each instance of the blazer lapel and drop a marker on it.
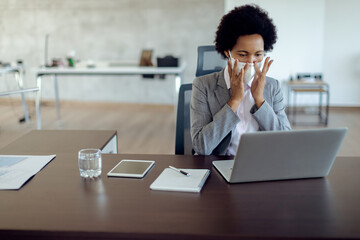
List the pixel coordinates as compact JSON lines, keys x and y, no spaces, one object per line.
{"x":222,"y":93}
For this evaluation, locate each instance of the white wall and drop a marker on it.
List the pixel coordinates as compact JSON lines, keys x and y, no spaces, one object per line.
{"x":316,"y":36}
{"x":103,"y":30}
{"x":342,"y":55}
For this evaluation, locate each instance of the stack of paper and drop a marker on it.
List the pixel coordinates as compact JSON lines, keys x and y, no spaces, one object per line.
{"x":170,"y":180}
{"x":15,"y":170}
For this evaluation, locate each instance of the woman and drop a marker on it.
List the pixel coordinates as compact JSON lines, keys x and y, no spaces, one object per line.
{"x":240,"y":98}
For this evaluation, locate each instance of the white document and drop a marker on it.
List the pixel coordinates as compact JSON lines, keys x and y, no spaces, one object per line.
{"x":15,"y":170}
{"x":170,"y":180}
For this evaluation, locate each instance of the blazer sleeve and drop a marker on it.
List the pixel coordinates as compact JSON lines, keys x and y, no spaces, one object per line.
{"x":271,"y":115}
{"x":207,"y":129}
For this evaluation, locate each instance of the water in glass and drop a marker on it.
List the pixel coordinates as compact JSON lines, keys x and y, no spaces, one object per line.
{"x":89,"y":162}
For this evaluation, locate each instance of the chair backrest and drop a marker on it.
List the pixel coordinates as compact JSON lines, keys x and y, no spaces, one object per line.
{"x":209,"y":60}
{"x":183,"y":143}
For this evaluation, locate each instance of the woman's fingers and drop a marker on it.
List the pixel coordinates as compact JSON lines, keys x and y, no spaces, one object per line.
{"x":257,"y":69}
{"x":267,"y":65}
{"x":246,"y":67}
{"x":229,"y":67}
{"x":234,"y":70}
{"x":270,"y":64}
{"x":242,"y":72}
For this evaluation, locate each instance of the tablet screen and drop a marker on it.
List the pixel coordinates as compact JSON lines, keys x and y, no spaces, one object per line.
{"x":131,"y":168}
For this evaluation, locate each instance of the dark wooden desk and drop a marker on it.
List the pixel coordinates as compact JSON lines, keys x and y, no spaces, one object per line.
{"x":58,"y":204}
{"x":56,"y":141}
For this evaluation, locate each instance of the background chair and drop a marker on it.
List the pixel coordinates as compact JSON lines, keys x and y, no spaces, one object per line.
{"x":18,"y":71}
{"x":209,"y":61}
{"x":21,"y":92}
{"x":183,"y":143}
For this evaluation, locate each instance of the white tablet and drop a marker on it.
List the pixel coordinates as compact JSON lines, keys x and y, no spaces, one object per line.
{"x":131,"y":168}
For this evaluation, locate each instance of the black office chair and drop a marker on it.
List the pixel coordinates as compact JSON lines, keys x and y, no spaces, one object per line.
{"x":183,"y":143}
{"x":209,"y":61}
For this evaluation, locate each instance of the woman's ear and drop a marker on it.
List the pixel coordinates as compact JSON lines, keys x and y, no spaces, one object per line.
{"x":226,"y":52}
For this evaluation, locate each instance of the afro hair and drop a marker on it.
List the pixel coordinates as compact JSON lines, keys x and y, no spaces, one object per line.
{"x":244,"y":20}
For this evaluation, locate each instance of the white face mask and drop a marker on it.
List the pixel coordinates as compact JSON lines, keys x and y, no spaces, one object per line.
{"x":250,"y":73}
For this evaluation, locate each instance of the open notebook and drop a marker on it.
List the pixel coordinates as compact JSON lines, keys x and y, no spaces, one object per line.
{"x":170,"y":180}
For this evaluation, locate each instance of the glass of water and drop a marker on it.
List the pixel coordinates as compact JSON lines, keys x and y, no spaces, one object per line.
{"x":89,"y":162}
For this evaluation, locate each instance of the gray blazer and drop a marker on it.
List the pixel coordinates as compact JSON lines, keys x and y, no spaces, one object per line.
{"x":213,"y":120}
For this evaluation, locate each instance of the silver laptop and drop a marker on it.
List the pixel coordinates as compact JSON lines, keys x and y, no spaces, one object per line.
{"x":279,"y":155}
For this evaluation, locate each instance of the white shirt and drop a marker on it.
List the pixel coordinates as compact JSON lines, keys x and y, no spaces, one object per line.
{"x":247,"y":122}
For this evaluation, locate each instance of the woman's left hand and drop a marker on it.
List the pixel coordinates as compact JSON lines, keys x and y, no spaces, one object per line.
{"x":258,"y":84}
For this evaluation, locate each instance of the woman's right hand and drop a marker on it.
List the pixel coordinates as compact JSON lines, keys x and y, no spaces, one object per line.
{"x":236,"y":84}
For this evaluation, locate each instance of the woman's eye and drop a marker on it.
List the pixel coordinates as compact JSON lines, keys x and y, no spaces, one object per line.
{"x":242,"y":55}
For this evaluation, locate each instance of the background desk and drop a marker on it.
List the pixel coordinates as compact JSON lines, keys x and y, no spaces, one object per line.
{"x":314,"y":87}
{"x":48,"y":142}
{"x":58,"y":204}
{"x":109,"y":71}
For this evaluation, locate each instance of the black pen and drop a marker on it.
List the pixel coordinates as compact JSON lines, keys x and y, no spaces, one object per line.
{"x":180,"y":171}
